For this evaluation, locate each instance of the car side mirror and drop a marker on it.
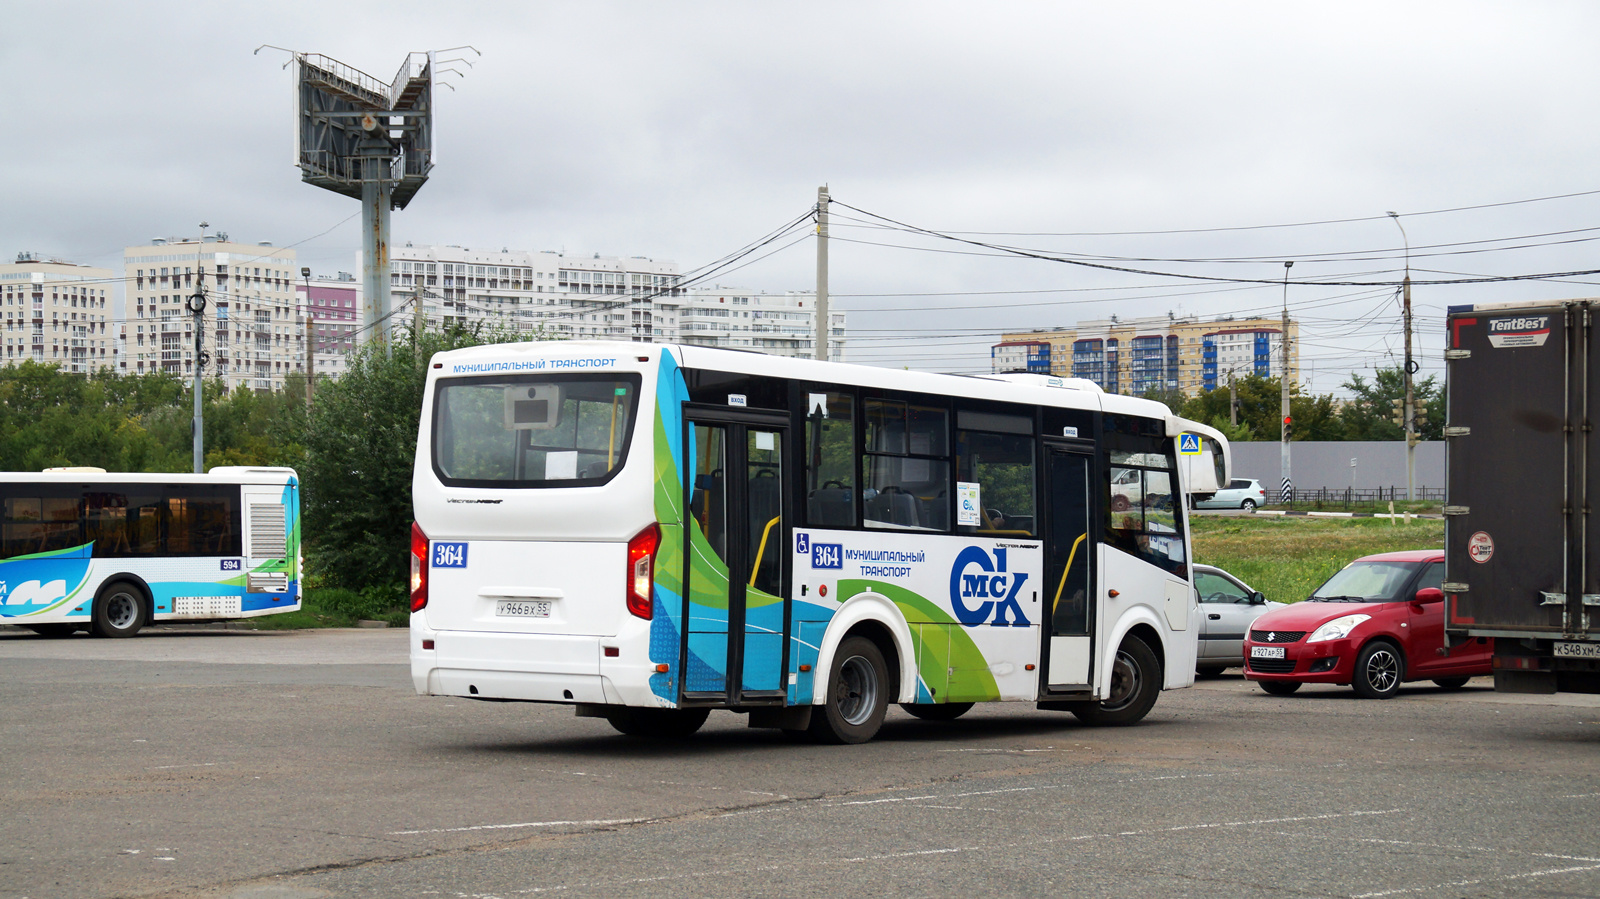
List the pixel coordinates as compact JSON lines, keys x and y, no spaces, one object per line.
{"x":1428,"y":596}
{"x":1258,"y":598}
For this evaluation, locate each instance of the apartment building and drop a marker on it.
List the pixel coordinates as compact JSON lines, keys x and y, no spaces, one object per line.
{"x":594,"y":297}
{"x":253,"y":332}
{"x":58,"y":312}
{"x":332,"y":307}
{"x":1170,"y":353}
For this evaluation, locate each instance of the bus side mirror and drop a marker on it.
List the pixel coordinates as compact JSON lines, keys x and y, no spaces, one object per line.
{"x":1428,"y":596}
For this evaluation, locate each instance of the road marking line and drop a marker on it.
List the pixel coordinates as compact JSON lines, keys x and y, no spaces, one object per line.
{"x":600,"y":823}
{"x":1482,"y":880}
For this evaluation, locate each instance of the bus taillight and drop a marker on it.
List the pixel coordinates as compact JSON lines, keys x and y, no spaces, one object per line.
{"x":641,"y":570}
{"x":419,"y":568}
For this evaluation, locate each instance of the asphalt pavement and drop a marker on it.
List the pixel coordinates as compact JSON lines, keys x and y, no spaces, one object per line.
{"x":227,"y":763}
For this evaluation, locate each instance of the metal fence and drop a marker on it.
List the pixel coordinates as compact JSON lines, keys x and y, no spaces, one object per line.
{"x":1352,"y":497}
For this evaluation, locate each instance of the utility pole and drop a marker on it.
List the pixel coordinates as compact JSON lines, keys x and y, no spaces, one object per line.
{"x":822,"y":273}
{"x":311,"y":344}
{"x":1233,"y":400}
{"x":1283,"y":379}
{"x":417,"y":318}
{"x":1410,"y":409}
{"x":197,"y":306}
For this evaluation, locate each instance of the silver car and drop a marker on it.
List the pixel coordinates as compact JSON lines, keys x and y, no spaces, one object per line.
{"x":1227,"y":606}
{"x":1241,"y":493}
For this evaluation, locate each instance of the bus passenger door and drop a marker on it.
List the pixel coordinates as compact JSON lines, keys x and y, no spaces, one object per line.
{"x":1069,"y":569}
{"x":734,"y":615}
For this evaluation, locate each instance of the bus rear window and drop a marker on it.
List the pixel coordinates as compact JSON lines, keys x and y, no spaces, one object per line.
{"x":533,"y":431}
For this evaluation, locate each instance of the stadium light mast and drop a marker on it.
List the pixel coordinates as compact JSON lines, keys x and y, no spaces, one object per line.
{"x":372,"y":141}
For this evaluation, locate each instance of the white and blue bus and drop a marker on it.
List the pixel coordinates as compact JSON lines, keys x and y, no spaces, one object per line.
{"x":84,"y":549}
{"x":648,"y":532}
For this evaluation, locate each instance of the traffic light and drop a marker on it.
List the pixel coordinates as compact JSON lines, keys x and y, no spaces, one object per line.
{"x":1399,"y":415}
{"x":1420,"y":414}
{"x":1288,"y":427}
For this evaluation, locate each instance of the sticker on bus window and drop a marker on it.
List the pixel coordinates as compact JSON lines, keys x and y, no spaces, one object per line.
{"x":449,"y":555}
{"x":968,"y":501}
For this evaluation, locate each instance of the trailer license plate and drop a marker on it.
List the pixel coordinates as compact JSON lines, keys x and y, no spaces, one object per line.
{"x":522,"y":609}
{"x":1266,"y":652}
{"x":1578,"y":650}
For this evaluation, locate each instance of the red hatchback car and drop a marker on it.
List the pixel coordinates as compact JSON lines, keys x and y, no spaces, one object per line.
{"x":1376,"y":624}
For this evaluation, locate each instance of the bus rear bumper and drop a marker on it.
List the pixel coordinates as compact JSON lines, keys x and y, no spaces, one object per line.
{"x":525,"y":667}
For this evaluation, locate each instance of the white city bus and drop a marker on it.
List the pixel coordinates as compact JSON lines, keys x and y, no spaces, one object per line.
{"x":81,"y":548}
{"x":649,"y":532}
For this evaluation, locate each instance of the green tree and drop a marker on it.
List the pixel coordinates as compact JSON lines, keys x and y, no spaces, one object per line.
{"x":1261,"y":410}
{"x":359,"y":446}
{"x":1367,"y":415}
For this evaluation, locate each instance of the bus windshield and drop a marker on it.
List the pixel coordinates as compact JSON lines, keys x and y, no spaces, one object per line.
{"x":533,"y":431}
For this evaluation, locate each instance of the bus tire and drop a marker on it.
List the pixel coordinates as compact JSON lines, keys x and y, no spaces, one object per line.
{"x":1135,"y":684}
{"x":936,"y":711}
{"x":659,"y":724}
{"x":857,"y":697}
{"x":120,"y":610}
{"x":53,"y":631}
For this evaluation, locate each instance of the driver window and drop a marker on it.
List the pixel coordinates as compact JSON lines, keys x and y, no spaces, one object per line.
{"x":1214,"y":588}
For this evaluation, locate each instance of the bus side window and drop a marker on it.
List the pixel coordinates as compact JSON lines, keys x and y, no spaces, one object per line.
{"x":830,"y":460}
{"x":1002,"y":466}
{"x":906,"y":467}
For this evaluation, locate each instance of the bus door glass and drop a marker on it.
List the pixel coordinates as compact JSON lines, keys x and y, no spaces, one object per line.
{"x":1069,"y":568}
{"x":734,"y":616}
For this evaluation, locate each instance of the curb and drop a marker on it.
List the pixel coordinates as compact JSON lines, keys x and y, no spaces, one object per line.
{"x":1298,"y":514}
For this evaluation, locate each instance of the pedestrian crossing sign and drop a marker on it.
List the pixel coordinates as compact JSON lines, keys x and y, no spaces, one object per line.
{"x":1189,"y":445}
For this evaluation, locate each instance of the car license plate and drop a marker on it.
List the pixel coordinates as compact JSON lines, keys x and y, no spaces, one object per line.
{"x":522,"y":608}
{"x":1266,"y":652}
{"x":1578,"y":650}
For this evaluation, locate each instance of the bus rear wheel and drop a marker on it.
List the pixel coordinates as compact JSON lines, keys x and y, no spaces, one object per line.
{"x":858,"y":694}
{"x":942,"y":711}
{"x":119,"y":611}
{"x":1135,"y":684}
{"x":661,"y":724}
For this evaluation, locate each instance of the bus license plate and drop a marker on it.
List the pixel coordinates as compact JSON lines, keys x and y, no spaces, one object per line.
{"x":1578,"y":650}
{"x":1266,"y":652}
{"x":522,"y":608}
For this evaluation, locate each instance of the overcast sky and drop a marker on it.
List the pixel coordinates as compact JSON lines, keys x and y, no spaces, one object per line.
{"x":685,"y":131}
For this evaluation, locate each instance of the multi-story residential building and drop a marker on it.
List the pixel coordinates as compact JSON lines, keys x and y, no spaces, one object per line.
{"x":1159,"y":354}
{"x":332,"y":312}
{"x":598,"y":297}
{"x":254,"y":333}
{"x":1021,"y":355}
{"x":58,"y":312}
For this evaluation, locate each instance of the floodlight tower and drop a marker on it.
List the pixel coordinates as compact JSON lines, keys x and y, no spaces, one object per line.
{"x":362,"y":138}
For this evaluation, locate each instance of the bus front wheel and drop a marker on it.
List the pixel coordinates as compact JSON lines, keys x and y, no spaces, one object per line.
{"x":119,"y":611}
{"x":1135,"y":684}
{"x":858,"y":694}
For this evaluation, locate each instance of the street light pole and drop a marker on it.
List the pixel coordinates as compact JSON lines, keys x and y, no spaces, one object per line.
{"x":1283,"y":380}
{"x":1409,"y":409}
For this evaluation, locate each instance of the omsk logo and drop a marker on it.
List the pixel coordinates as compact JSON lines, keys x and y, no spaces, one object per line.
{"x":991,"y":583}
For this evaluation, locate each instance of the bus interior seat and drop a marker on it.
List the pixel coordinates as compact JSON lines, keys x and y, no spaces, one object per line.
{"x":830,"y":505}
{"x":894,"y":506}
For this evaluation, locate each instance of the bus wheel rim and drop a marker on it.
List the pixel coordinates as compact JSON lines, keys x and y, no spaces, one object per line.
{"x":858,"y":690}
{"x":121,"y":610}
{"x":1124,"y":681}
